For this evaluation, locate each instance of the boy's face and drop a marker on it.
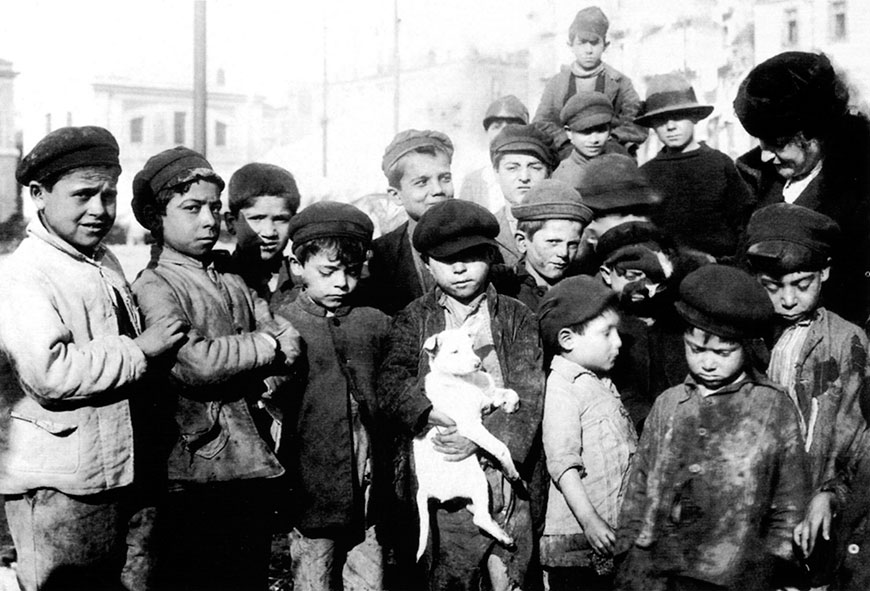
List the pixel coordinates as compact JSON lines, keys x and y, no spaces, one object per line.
{"x":590,"y":142}
{"x":425,"y":182}
{"x":794,"y":295}
{"x":80,"y":208}
{"x":588,"y":48}
{"x":263,"y":227}
{"x":462,"y":276}
{"x":674,"y":133}
{"x":597,"y":347}
{"x":713,"y":361}
{"x":517,"y":173}
{"x":326,"y":279}
{"x":551,"y":249}
{"x":792,"y":157}
{"x":192,"y":221}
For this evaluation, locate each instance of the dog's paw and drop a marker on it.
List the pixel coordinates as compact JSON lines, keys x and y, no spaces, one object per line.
{"x":511,"y":401}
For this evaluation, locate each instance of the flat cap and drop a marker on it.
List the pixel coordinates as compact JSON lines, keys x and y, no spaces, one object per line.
{"x":586,"y":109}
{"x":170,"y":168}
{"x":257,"y":179}
{"x":613,"y":183}
{"x":784,"y":238}
{"x":552,"y":200}
{"x":68,"y":148}
{"x":509,"y":108}
{"x":452,"y":226}
{"x":411,"y":139}
{"x":725,"y":301}
{"x":525,"y":139}
{"x":670,"y":95}
{"x":636,"y":245}
{"x":330,"y":219}
{"x":572,"y":301}
{"x":589,"y":20}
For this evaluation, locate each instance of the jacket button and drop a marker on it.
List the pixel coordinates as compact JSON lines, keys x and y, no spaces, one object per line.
{"x":853,"y":548}
{"x":702,"y":431}
{"x":695,"y":468}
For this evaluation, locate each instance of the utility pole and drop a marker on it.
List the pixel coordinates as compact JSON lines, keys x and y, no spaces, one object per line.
{"x":397,"y":67}
{"x":324,"y":122}
{"x":199,"y":78}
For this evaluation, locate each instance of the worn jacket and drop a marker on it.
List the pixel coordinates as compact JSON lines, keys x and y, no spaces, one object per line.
{"x":717,"y":485}
{"x":217,"y":376}
{"x":342,"y":354}
{"x":393,"y":282}
{"x":66,"y":422}
{"x":618,"y":88}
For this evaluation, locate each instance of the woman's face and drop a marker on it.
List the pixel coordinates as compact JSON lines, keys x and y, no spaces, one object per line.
{"x":792,"y":157}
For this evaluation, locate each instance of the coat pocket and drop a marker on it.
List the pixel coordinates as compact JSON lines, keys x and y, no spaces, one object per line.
{"x":208,"y":435}
{"x":43,"y":446}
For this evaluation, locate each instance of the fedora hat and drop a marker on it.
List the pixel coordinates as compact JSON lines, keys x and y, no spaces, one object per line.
{"x":669,"y":94}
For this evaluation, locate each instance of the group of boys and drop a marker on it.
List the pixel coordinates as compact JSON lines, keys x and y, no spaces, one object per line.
{"x":158,"y":433}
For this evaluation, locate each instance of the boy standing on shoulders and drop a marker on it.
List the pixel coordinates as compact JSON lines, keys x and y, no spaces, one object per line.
{"x":332,"y":437}
{"x":589,"y":438}
{"x":720,"y":477}
{"x":217,"y":531}
{"x":73,"y":334}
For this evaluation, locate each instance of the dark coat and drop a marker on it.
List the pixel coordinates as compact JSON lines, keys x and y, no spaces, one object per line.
{"x":393,"y":282}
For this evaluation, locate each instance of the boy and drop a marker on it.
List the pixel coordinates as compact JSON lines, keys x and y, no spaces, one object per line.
{"x":72,"y":332}
{"x":587,"y":38}
{"x":586,"y":118}
{"x":589,"y":438}
{"x":819,"y":358}
{"x":705,"y":203}
{"x":720,"y":475}
{"x":216,"y":533}
{"x":262,"y":200}
{"x":480,"y":186}
{"x":330,"y":449}
{"x":417,"y":167}
{"x":457,"y":240}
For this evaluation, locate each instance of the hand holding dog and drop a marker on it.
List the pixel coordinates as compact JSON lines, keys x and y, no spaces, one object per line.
{"x":453,"y":445}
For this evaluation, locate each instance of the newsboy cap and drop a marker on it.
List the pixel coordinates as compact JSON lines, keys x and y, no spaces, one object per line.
{"x":552,"y":200}
{"x":68,"y":148}
{"x":585,"y":110}
{"x":784,"y":238}
{"x":509,"y":108}
{"x":572,"y":301}
{"x":257,"y":179}
{"x":613,"y":183}
{"x":412,"y":139}
{"x":330,"y":219}
{"x":452,"y":226}
{"x":670,"y":95}
{"x":524,"y":139}
{"x":170,"y":168}
{"x":636,"y":245}
{"x":725,"y":301}
{"x":589,"y":20}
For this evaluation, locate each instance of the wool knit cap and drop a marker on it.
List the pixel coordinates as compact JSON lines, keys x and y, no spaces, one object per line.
{"x":613,"y":183}
{"x":412,"y":139}
{"x":724,"y":301}
{"x":330,"y":219}
{"x":68,"y":148}
{"x":170,"y":168}
{"x":572,"y":301}
{"x":784,"y":94}
{"x":670,"y":95}
{"x":552,"y":200}
{"x":585,"y":110}
{"x":784,"y":238}
{"x":589,"y":20}
{"x":257,"y":179}
{"x":452,"y":226}
{"x":524,"y":139}
{"x":509,"y":108}
{"x":636,"y":245}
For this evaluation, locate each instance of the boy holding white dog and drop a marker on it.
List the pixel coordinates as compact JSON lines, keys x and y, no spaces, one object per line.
{"x":457,"y":242}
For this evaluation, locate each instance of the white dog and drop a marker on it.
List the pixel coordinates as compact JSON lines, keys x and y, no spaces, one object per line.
{"x":458,"y":388}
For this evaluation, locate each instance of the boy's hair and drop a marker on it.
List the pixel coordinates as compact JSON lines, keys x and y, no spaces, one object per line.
{"x":530,"y":227}
{"x":348,"y":251}
{"x":50,"y":181}
{"x":397,"y":170}
{"x":257,"y":179}
{"x":706,"y":335}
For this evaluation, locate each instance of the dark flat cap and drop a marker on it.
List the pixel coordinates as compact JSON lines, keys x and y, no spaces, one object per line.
{"x":257,"y":179}
{"x":552,"y":200}
{"x":585,"y":110}
{"x":168,"y":169}
{"x":636,"y":245}
{"x":613,"y":183}
{"x":330,"y":219}
{"x":725,"y":301}
{"x":452,"y":226}
{"x":589,"y":20}
{"x":411,"y":139}
{"x":65,"y":149}
{"x":784,"y":238}
{"x":670,"y":95}
{"x":572,"y":301}
{"x":525,"y":139}
{"x":509,"y":108}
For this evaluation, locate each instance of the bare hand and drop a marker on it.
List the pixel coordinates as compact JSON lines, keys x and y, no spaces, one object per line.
{"x":160,"y":336}
{"x":599,"y":535}
{"x":819,"y":514}
{"x":453,"y":445}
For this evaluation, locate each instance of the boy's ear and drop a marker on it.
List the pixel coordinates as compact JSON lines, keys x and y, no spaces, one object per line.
{"x":522,"y":241}
{"x":605,"y":273}
{"x":606,"y":44}
{"x":37,"y":193}
{"x":295,"y":266}
{"x":826,"y":272}
{"x":565,"y":338}
{"x":393,"y":192}
{"x":230,"y":220}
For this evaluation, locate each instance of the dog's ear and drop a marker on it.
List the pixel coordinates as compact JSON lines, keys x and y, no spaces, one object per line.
{"x":431,"y":345}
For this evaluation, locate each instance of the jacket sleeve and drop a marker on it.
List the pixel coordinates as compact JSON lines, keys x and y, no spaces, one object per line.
{"x":739,"y":196}
{"x":52,"y":366}
{"x":625,"y":108}
{"x":201,"y":360}
{"x":551,"y":103}
{"x":278,"y":327}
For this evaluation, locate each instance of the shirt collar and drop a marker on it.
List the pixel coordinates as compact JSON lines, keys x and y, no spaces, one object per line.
{"x":751,"y":376}
{"x":309,"y":306}
{"x":568,"y":369}
{"x":38,"y":230}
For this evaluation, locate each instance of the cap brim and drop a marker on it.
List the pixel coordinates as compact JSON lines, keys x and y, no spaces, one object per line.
{"x":457,"y":245}
{"x":690,"y":110}
{"x":591,"y":121}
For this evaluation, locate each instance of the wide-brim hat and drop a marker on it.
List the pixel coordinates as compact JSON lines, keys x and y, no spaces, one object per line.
{"x":670,"y":95}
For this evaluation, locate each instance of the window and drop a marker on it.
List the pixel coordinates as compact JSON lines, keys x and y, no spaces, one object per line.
{"x":220,"y":133}
{"x":136,"y":126}
{"x":790,"y":36}
{"x":837,"y":20}
{"x":179,"y":125}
